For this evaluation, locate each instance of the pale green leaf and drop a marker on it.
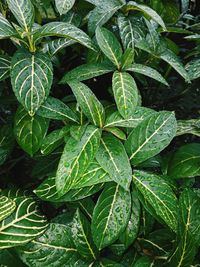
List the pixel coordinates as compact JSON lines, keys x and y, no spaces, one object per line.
{"x":159,"y":195}
{"x":110,"y":215}
{"x":31,"y":77}
{"x":63,"y":6}
{"x":116,"y":132}
{"x":151,"y":136}
{"x":125,"y":93}
{"x":112,"y":156}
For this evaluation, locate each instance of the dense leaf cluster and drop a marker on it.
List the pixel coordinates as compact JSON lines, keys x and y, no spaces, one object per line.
{"x":99,"y":136}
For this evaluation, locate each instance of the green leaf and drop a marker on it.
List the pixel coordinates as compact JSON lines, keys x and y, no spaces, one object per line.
{"x":193,"y":68}
{"x":127,"y":58}
{"x":86,"y":71}
{"x":4,"y":67}
{"x":175,"y":62}
{"x":144,"y":261}
{"x":159,"y":195}
{"x":151,"y":136}
{"x":87,"y":206}
{"x":29,"y":131}
{"x":111,"y":215}
{"x":147,"y":71}
{"x":125,"y":93}
{"x":6,"y":142}
{"x":94,"y":174}
{"x":6,"y":29}
{"x":54,"y":46}
{"x":185,"y":162}
{"x":90,"y":105}
{"x":112,"y":156}
{"x":185,"y":5}
{"x":188,"y":127}
{"x":53,"y":140}
{"x":55,"y":247}
{"x":126,"y":30}
{"x":105,"y":262}
{"x":23,"y":225}
{"x":116,"y":132}
{"x":132,"y":228}
{"x":116,"y":120}
{"x":31,"y":77}
{"x":66,"y":30}
{"x":63,"y":6}
{"x":75,"y":159}
{"x":82,"y":237}
{"x":148,"y":11}
{"x":109,"y":45}
{"x":55,"y":109}
{"x":47,"y":192}
{"x":188,"y":230}
{"x":7,"y":206}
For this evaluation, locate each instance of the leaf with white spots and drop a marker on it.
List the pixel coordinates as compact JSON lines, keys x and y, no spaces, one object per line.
{"x":23,"y":11}
{"x":63,"y":6}
{"x":111,"y":215}
{"x":112,"y":157}
{"x":151,"y":136}
{"x":23,"y":225}
{"x":7,"y":206}
{"x":6,"y":29}
{"x":159,"y":195}
{"x":31,"y":77}
{"x":29,"y":131}
{"x":125,"y":93}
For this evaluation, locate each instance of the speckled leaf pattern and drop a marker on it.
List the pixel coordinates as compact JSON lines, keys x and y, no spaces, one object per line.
{"x":125,"y":93}
{"x":31,"y":77}
{"x":81,"y":234}
{"x":126,"y":31}
{"x":188,"y":127}
{"x":47,"y":191}
{"x":111,"y":215}
{"x":75,"y":159}
{"x":86,"y":71}
{"x":185,"y":162}
{"x":188,"y":230}
{"x":151,"y":136}
{"x":90,"y":105}
{"x":5,"y":63}
{"x":23,"y":225}
{"x":193,"y":68}
{"x":54,"y":249}
{"x":55,"y":109}
{"x":147,"y":71}
{"x":94,"y":174}
{"x":112,"y":156}
{"x":23,"y":12}
{"x":159,"y":195}
{"x":147,"y":10}
{"x":54,"y":46}
{"x":7,"y":206}
{"x":29,"y":131}
{"x":65,"y":30}
{"x":63,"y":6}
{"x":109,"y":45}
{"x":6,"y":29}
{"x":140,"y":114}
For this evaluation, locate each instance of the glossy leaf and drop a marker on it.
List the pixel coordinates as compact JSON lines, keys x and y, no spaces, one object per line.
{"x":109,"y":45}
{"x":126,"y":32}
{"x":151,"y":136}
{"x":29,"y":131}
{"x":147,"y":71}
{"x":53,"y":249}
{"x":193,"y":68}
{"x":127,"y":58}
{"x":125,"y":93}
{"x":65,"y":30}
{"x":7,"y":206}
{"x":63,"y":6}
{"x":6,"y":29}
{"x":81,"y":234}
{"x":31,"y":77}
{"x":4,"y":67}
{"x":90,"y":105}
{"x":110,"y":215}
{"x":75,"y":159}
{"x":86,"y":71}
{"x":23,"y":225}
{"x":159,"y":195}
{"x":116,"y":132}
{"x":112,"y":156}
{"x":185,"y":162}
{"x":54,"y":46}
{"x":55,"y":109}
{"x":23,"y":12}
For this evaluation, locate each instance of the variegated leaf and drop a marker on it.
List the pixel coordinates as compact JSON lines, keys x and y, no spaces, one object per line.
{"x":63,"y":6}
{"x":7,"y":206}
{"x":5,"y":63}
{"x":54,"y":46}
{"x":6,"y":29}
{"x":31,"y":77}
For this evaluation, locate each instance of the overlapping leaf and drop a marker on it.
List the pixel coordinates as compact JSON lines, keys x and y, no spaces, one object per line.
{"x":54,"y":46}
{"x":7,"y":206}
{"x":31,"y":77}
{"x":63,"y":6}
{"x":6,"y":29}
